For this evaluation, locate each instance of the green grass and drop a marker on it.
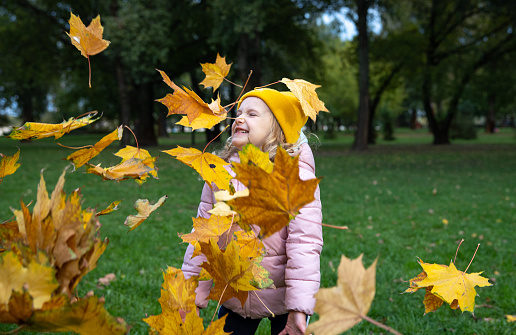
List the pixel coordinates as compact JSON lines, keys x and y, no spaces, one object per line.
{"x":393,"y":198}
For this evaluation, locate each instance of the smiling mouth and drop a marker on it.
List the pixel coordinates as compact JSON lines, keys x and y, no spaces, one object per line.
{"x":241,"y":132}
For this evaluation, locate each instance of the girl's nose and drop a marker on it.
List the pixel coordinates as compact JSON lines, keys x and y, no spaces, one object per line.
{"x":240,"y":119}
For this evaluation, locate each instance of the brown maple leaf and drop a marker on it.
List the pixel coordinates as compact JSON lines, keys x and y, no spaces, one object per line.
{"x":305,"y":92}
{"x":274,"y":198}
{"x":206,"y":119}
{"x":343,"y":306}
{"x":215,"y":73}
{"x":210,"y":167}
{"x":130,"y":152}
{"x":134,"y":168}
{"x":88,"y":40}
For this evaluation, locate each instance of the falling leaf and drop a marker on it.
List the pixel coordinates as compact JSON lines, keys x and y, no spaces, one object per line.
{"x":133,"y":168}
{"x":450,"y":284}
{"x":215,"y":73}
{"x":81,"y":157}
{"x":221,"y":208}
{"x":112,"y":207}
{"x":204,"y":229}
{"x":144,"y":209}
{"x":183,"y":101}
{"x":206,"y":119}
{"x":343,"y":306}
{"x":36,"y":131}
{"x":307,"y":96}
{"x":88,"y":40}
{"x":274,"y":198}
{"x":131,"y":152}
{"x":9,"y":165}
{"x":210,"y":167}
{"x":231,"y":273}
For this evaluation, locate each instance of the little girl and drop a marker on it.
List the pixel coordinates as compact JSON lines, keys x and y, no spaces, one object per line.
{"x":268,"y":118}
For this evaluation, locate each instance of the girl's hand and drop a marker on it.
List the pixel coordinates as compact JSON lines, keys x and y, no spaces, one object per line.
{"x":296,"y":324}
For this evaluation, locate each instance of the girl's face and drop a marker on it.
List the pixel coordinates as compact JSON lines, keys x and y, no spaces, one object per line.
{"x":253,"y":123}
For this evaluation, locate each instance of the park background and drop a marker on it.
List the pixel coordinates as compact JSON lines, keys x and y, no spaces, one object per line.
{"x":416,"y":154}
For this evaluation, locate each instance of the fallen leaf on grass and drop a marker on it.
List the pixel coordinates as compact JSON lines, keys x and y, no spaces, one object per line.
{"x":144,"y":209}
{"x":104,"y":281}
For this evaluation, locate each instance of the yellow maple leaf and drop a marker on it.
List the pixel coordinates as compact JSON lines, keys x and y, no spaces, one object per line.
{"x":220,"y":207}
{"x":250,"y":154}
{"x":81,"y":157}
{"x":9,"y":165}
{"x":183,"y":101}
{"x":134,"y":168}
{"x":450,"y":284}
{"x":232,"y":274}
{"x":510,"y":318}
{"x":305,"y":92}
{"x":204,"y":229}
{"x":144,"y":209}
{"x":37,"y":279}
{"x":206,"y":119}
{"x":88,"y":40}
{"x":210,"y":167}
{"x":343,"y":306}
{"x":215,"y":73}
{"x":274,"y":198}
{"x":36,"y":130}
{"x":131,"y":152}
{"x":112,"y":207}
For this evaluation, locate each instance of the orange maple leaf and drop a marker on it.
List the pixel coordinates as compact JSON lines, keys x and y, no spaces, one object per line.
{"x":184,"y":101}
{"x":9,"y":165}
{"x":112,"y":207}
{"x":81,"y":157}
{"x":133,"y":168}
{"x":130,"y":152}
{"x":274,"y":198}
{"x":205,"y":119}
{"x":144,"y":209}
{"x":36,"y":130}
{"x":210,"y":167}
{"x":88,"y":40}
{"x":305,"y":92}
{"x":205,"y":229}
{"x":232,"y":273}
{"x":215,"y":73}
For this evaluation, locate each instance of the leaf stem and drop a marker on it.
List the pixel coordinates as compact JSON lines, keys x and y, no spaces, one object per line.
{"x":379,"y":324}
{"x":135,"y":139}
{"x":218,"y":302}
{"x":229,"y":81}
{"x":471,"y":261}
{"x":456,"y":252}
{"x":75,"y":148}
{"x":223,"y":130}
{"x":332,"y":226}
{"x":89,"y":68}
{"x":276,"y":82}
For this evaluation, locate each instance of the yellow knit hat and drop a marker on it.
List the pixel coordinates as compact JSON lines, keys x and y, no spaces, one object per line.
{"x":285,"y":107}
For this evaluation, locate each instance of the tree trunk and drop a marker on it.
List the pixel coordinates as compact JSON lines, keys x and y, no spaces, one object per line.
{"x":125,"y":105}
{"x":145,"y":124}
{"x":27,"y":107}
{"x":491,"y":114}
{"x":361,"y":136}
{"x":162,"y":125}
{"x":249,"y":59}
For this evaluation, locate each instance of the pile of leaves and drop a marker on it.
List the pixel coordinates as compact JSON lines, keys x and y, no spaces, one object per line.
{"x":43,"y":256}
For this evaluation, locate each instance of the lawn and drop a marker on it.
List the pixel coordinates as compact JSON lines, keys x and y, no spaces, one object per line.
{"x":401,"y":200}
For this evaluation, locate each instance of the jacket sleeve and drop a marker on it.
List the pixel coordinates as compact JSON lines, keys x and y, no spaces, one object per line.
{"x":192,"y":266}
{"x":303,"y":246}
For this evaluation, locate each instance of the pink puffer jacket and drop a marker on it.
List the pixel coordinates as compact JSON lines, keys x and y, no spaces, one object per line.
{"x":292,"y":258}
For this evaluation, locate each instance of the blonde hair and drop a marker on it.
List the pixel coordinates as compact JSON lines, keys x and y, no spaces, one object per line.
{"x":274,"y":138}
